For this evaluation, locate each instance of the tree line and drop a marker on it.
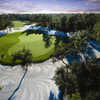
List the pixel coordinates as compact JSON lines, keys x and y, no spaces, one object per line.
{"x":5,"y":21}
{"x":63,"y":22}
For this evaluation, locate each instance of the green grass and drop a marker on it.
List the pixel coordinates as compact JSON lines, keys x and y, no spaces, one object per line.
{"x":11,"y":43}
{"x":18,"y":24}
{"x":74,"y":97}
{"x":7,"y":42}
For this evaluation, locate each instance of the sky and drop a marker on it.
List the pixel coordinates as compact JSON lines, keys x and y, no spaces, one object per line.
{"x":49,"y":6}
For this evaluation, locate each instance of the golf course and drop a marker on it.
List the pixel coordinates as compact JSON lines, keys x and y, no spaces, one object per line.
{"x":50,"y":56}
{"x":12,"y":43}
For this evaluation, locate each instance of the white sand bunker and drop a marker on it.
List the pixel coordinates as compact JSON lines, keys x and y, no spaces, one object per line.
{"x":36,"y":85}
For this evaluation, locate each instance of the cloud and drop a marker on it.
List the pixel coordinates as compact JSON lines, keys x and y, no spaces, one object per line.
{"x":12,"y":6}
{"x":25,"y":6}
{"x":94,"y":10}
{"x":42,"y":6}
{"x":93,"y":2}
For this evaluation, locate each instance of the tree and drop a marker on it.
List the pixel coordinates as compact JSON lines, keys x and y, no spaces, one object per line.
{"x":72,"y":46}
{"x":90,"y":20}
{"x":77,"y":23}
{"x":4,"y":21}
{"x":47,"y":40}
{"x":93,"y":96}
{"x":79,"y":40}
{"x":82,"y":78}
{"x":24,"y":57}
{"x":64,"y":23}
{"x":64,"y":80}
{"x":72,"y":24}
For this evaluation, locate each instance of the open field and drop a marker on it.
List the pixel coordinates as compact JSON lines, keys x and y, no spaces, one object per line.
{"x":11,"y":43}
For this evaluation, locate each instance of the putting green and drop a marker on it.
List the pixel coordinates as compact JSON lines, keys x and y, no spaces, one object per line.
{"x":12,"y":43}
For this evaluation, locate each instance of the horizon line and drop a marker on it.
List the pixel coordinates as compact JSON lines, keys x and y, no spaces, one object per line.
{"x":52,"y":12}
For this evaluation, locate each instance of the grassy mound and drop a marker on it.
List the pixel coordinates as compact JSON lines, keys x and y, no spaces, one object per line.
{"x":11,"y":43}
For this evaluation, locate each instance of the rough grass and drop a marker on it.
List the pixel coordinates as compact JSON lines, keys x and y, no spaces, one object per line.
{"x":11,"y":43}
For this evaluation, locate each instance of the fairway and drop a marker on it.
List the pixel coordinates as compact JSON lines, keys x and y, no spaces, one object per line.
{"x":18,"y":24}
{"x":11,"y":43}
